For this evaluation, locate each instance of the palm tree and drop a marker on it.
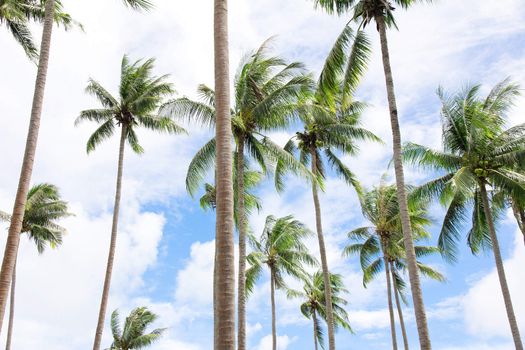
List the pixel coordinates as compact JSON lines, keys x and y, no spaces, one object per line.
{"x":16,"y":14}
{"x":331,"y":123}
{"x":380,"y":245}
{"x":478,"y":155}
{"x":133,"y":335}
{"x":314,"y":305}
{"x":281,"y":249}
{"x":13,"y":238}
{"x":266,"y":94}
{"x":381,"y":11}
{"x":140,"y":95}
{"x":43,"y":208}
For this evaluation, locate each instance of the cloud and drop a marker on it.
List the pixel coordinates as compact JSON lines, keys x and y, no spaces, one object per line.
{"x":283,"y":341}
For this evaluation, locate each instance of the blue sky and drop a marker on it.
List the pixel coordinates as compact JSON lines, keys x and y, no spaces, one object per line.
{"x":165,"y":248}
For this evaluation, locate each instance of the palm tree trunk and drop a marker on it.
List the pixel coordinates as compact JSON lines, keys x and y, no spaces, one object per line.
{"x":241,"y":292}
{"x":399,"y":310}
{"x":224,"y":242}
{"x":501,"y":270}
{"x":13,"y":238}
{"x":519,"y":214}
{"x":324,"y":261}
{"x":274,"y":324}
{"x":316,"y":327}
{"x":390,"y":306}
{"x":113,"y":244}
{"x":11,"y":311}
{"x":415,"y":285}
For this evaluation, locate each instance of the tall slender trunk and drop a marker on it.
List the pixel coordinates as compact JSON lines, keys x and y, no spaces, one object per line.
{"x":11,"y":311}
{"x":390,"y":306}
{"x":399,"y":310}
{"x":499,"y":267}
{"x":415,"y":285}
{"x":316,"y":327}
{"x":272,"y":296}
{"x":113,"y":244}
{"x":519,"y":214}
{"x":13,"y":237}
{"x":224,"y":242}
{"x":242,"y":226}
{"x":324,"y":261}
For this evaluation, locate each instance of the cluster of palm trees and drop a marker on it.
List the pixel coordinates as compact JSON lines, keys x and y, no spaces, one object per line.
{"x":481,"y":169}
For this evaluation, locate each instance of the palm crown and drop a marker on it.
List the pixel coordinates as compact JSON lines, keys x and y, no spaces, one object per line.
{"x":133,"y":335}
{"x":140,"y":95}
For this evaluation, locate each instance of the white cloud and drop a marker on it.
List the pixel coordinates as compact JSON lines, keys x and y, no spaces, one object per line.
{"x":283,"y":341}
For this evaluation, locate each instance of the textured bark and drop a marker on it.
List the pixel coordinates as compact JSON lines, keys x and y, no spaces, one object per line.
{"x":390,"y":305}
{"x":324,"y":262}
{"x":501,"y":270}
{"x":224,"y":242}
{"x":11,"y":311}
{"x":241,"y":281}
{"x":399,"y":309}
{"x":13,"y":237}
{"x":274,"y":324}
{"x":415,"y":285}
{"x":113,"y":243}
{"x":316,"y":327}
{"x":519,"y":214}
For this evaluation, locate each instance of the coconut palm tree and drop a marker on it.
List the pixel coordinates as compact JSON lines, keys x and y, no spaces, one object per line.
{"x":140,"y":95}
{"x":380,"y":244}
{"x":382,"y":13}
{"x":43,"y":208}
{"x":280,"y":248}
{"x":479,"y":156}
{"x":13,"y":238}
{"x":133,"y":335}
{"x":331,"y":123}
{"x":314,"y":305}
{"x":266,"y":94}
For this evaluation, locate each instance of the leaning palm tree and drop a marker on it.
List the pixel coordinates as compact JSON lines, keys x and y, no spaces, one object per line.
{"x":281,"y":249}
{"x":380,"y":244}
{"x":13,"y":238}
{"x":331,"y":124}
{"x":133,"y":335}
{"x":43,"y":208}
{"x":266,"y":94}
{"x":479,"y":156}
{"x":140,"y":95}
{"x":314,"y":305}
{"x":382,"y":13}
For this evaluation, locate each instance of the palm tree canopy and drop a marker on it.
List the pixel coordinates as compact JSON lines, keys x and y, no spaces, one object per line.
{"x":43,"y":208}
{"x":140,"y":95}
{"x":139,"y":4}
{"x":477,"y":149}
{"x":280,"y":247}
{"x":133,"y":335}
{"x":267,"y":91}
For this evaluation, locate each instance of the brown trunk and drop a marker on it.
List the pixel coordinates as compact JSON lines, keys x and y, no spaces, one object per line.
{"x":501,"y":271}
{"x":11,"y":311}
{"x":272,"y":296}
{"x":113,"y":244}
{"x":316,"y":327}
{"x":390,"y":306}
{"x":324,"y":261}
{"x":13,"y":237}
{"x":399,"y":310}
{"x":241,"y":293}
{"x":519,"y":214}
{"x":415,"y":285}
{"x":224,"y":242}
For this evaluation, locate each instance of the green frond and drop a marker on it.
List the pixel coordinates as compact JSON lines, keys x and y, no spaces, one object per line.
{"x":200,"y":166}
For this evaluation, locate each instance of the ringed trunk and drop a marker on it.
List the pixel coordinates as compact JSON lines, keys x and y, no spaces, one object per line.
{"x":415,"y":284}
{"x":15,"y":227}
{"x":390,"y":306}
{"x":324,"y":260}
{"x":11,"y":311}
{"x":274,"y":323}
{"x":501,"y":270}
{"x":242,"y":226}
{"x":224,"y":241}
{"x":399,"y":309}
{"x":113,"y":243}
{"x":316,"y":327}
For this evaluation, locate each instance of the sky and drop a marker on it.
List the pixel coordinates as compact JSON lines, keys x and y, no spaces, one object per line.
{"x":165,"y":245}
